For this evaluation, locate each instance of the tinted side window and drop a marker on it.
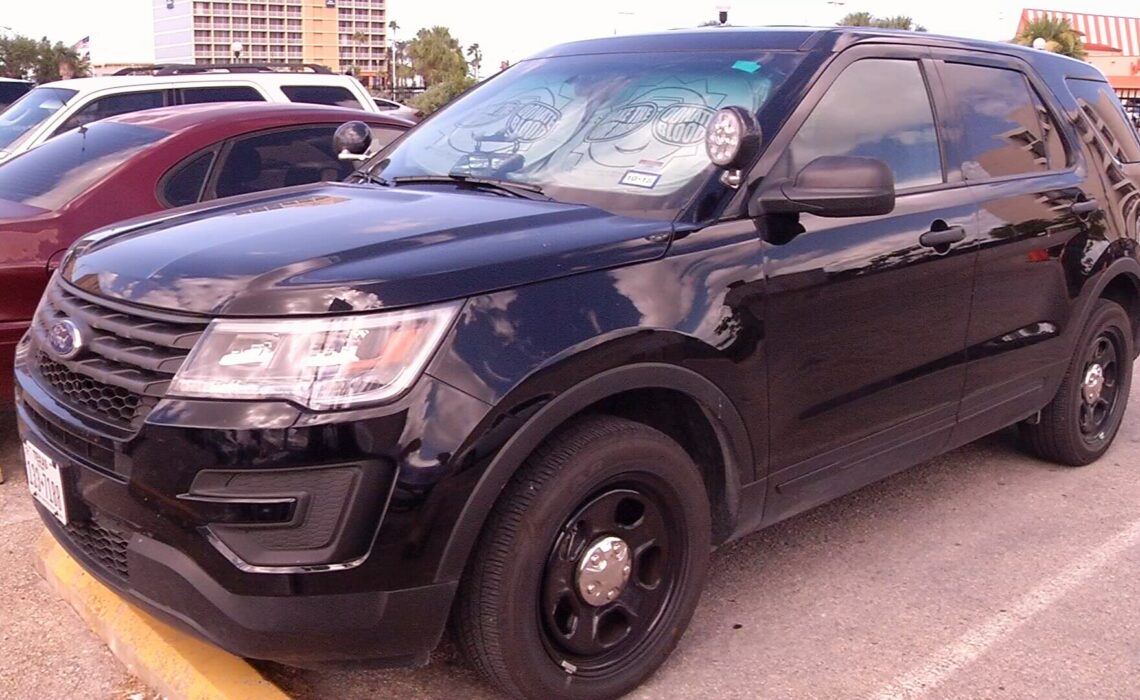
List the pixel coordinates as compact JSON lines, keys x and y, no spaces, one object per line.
{"x":1003,"y":132}
{"x":1103,"y":112}
{"x":184,"y":184}
{"x":109,"y":106}
{"x":854,"y":119}
{"x":280,"y":159}
{"x":321,"y":95}
{"x":232,"y":93}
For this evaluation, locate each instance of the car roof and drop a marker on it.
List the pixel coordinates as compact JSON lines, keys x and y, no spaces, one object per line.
{"x":238,"y":117}
{"x":828,"y":39}
{"x":14,"y":80}
{"x":268,"y":78}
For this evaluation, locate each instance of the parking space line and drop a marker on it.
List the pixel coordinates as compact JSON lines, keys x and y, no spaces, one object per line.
{"x":942,"y":665}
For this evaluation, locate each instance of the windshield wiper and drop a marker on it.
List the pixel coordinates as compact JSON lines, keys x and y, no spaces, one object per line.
{"x":516,"y":189}
{"x":363,"y":176}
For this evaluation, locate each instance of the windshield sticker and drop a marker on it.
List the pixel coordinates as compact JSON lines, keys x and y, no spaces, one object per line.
{"x":636,"y":178}
{"x":747,"y":66}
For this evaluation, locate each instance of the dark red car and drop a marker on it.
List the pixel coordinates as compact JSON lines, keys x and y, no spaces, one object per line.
{"x":144,"y":162}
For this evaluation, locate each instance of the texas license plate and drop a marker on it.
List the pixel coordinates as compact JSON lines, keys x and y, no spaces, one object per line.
{"x":45,"y":481}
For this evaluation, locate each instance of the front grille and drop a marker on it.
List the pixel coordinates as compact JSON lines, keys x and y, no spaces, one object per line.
{"x":127,"y":361}
{"x":113,"y":402}
{"x":102,"y":542}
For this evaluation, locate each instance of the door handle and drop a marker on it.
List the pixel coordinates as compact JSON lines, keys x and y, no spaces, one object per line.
{"x":1088,"y":206}
{"x":933,"y":239}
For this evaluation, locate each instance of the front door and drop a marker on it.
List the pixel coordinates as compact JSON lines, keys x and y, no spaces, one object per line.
{"x":866,"y":325}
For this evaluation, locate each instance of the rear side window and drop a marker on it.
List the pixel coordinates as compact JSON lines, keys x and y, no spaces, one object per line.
{"x":280,"y":159}
{"x":1004,"y":133}
{"x":230,"y":93}
{"x":185,"y":182}
{"x":853,"y":119}
{"x":1101,"y":109}
{"x":321,"y":95}
{"x":111,"y":105}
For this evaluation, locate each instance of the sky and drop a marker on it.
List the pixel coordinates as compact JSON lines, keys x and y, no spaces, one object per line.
{"x":513,"y":29}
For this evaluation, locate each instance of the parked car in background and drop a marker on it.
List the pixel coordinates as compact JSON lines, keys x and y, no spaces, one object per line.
{"x":12,"y":90}
{"x":143,"y":162}
{"x":57,"y":107}
{"x":398,"y":109}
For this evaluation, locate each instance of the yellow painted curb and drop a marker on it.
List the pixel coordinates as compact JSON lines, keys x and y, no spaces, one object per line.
{"x":178,"y":666}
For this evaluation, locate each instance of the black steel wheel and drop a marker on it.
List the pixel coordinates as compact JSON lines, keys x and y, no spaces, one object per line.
{"x":610,"y":575}
{"x":590,"y":566}
{"x":1079,"y":425}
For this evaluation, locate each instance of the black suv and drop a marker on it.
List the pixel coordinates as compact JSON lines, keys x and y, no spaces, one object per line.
{"x":626,"y":301}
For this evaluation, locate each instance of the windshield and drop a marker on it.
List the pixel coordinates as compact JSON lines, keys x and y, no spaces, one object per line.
{"x":54,"y":173}
{"x":623,"y":132}
{"x":30,"y":110}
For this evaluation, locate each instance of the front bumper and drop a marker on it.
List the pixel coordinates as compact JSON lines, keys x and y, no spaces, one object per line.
{"x":133,"y":533}
{"x":396,"y":628}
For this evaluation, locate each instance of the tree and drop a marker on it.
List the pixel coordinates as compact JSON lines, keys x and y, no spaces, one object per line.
{"x":436,"y":56}
{"x":441,"y":93}
{"x":857,"y":19}
{"x":1059,"y":36}
{"x":41,"y":61}
{"x":475,"y":54}
{"x":866,"y":19}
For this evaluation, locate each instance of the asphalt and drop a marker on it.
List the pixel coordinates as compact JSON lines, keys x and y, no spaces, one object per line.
{"x":45,"y":649}
{"x":981,"y":574}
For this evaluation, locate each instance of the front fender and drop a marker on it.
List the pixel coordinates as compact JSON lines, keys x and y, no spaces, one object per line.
{"x":722,"y":415}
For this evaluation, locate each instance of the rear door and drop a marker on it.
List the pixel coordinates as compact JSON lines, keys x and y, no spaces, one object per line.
{"x":1036,"y":210}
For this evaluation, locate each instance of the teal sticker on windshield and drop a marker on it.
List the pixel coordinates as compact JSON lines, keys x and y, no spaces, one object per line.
{"x":747,"y":66}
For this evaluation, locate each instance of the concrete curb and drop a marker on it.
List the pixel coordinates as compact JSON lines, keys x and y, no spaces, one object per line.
{"x":176,"y":665}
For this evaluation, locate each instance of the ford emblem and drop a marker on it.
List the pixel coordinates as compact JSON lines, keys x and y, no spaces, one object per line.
{"x":65,"y":339}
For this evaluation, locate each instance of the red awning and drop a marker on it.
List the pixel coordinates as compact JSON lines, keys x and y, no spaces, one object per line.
{"x":1121,"y":33}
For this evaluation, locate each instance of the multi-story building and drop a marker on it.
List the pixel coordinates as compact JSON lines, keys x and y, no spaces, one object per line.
{"x":344,"y":35}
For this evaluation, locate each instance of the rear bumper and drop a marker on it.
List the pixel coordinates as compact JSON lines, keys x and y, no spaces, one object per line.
{"x":396,"y":628}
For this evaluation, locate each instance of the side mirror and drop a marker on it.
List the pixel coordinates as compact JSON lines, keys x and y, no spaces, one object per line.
{"x":835,"y":186}
{"x":352,"y":140}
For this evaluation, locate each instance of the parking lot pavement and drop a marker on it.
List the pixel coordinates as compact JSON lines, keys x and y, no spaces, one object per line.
{"x":46,"y":651}
{"x":981,"y":574}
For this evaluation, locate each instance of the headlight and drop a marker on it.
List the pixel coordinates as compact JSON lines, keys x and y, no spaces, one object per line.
{"x":321,"y":363}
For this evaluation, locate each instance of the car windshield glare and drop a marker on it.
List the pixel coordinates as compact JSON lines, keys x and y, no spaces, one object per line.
{"x":623,"y":132}
{"x":64,"y":167}
{"x":30,"y":111}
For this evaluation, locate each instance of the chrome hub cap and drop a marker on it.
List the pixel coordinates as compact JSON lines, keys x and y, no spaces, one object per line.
{"x":604,"y":570}
{"x":1093,"y":384}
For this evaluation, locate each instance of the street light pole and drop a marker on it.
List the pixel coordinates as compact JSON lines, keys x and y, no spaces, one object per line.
{"x":236,"y":47}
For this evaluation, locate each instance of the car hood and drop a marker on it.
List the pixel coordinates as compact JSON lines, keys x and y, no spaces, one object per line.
{"x":327,"y":248}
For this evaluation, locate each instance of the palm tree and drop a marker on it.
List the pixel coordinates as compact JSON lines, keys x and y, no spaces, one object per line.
{"x":475,"y":54}
{"x":1059,"y":36}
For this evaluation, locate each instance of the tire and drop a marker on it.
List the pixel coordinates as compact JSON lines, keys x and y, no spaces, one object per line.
{"x":1077,"y":427}
{"x":522,"y":617}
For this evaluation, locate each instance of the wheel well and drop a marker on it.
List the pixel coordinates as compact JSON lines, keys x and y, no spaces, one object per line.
{"x":1124,"y":290}
{"x":680,"y":417}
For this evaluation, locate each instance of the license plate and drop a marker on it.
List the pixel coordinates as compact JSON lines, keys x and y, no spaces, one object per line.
{"x":45,"y":481}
